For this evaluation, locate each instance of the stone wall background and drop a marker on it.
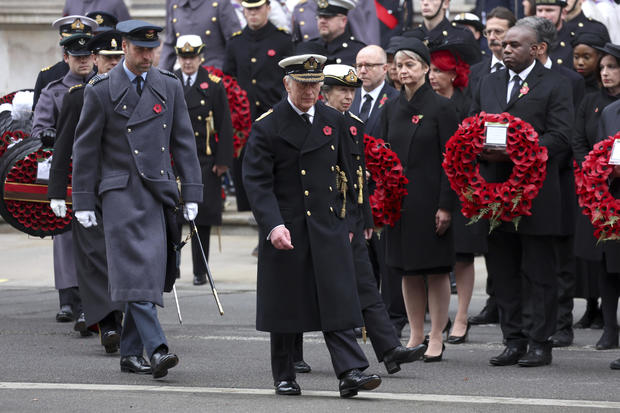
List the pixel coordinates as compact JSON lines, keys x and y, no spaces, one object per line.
{"x":28,"y":43}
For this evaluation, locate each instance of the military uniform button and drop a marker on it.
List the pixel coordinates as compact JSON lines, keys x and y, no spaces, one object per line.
{"x":161,"y":172}
{"x":345,"y":44}
{"x":301,"y":23}
{"x":333,"y":169}
{"x":333,"y":147}
{"x":141,"y":173}
{"x":124,"y":107}
{"x":445,"y":33}
{"x":208,"y":32}
{"x":202,"y":102}
{"x":174,"y":6}
{"x":136,"y":151}
{"x":305,"y":36}
{"x":580,"y":24}
{"x":562,"y":44}
{"x":213,"y":19}
{"x":303,"y":171}
{"x":301,"y":9}
{"x":308,"y":213}
{"x":214,"y":4}
{"x":357,"y":157}
{"x":560,"y":61}
{"x":164,"y":125}
{"x":196,"y":133}
{"x":174,"y":20}
{"x":257,"y":103}
{"x":331,"y":189}
{"x":253,"y":60}
{"x":163,"y":149}
{"x":129,"y":130}
{"x":178,"y":34}
{"x":199,"y":117}
{"x":572,"y":33}
{"x":339,"y":60}
{"x":331,"y":209}
{"x":306,"y":193}
{"x":253,"y":81}
{"x":354,"y":186}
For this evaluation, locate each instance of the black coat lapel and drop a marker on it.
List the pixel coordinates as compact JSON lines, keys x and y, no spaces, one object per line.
{"x":291,"y":127}
{"x":320,"y":131}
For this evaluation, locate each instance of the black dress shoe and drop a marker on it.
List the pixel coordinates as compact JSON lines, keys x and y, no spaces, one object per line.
{"x":445,"y":330}
{"x":459,"y":339}
{"x":287,"y":388}
{"x":111,"y":341}
{"x":432,"y":359}
{"x":509,"y":357}
{"x":562,"y":338}
{"x":301,"y":367}
{"x":608,"y":340}
{"x":64,"y":315}
{"x":135,"y":364}
{"x":200,"y":279}
{"x":401,"y":355}
{"x":354,"y":381}
{"x":615,"y":365}
{"x":80,"y":325}
{"x":486,"y":316}
{"x":161,"y":361}
{"x":537,"y":355}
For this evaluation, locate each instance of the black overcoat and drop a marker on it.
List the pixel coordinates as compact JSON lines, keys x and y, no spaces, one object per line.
{"x":412,"y":244}
{"x":208,"y":96}
{"x":289,"y":171}
{"x":548,"y":107}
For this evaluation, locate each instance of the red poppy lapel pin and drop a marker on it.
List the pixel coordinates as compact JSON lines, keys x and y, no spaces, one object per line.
{"x":384,"y":98}
{"x":157,"y":108}
{"x":204,"y":85}
{"x":353,"y":130}
{"x":327,"y":130}
{"x":271,"y":53}
{"x":525,"y":89}
{"x":415,"y":119}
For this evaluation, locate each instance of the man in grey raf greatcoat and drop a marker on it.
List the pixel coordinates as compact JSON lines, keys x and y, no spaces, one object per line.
{"x":133,"y":118}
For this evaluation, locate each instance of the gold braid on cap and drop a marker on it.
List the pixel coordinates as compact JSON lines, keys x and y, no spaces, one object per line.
{"x":351,"y":77}
{"x":311,"y":63}
{"x":77,"y":24}
{"x":187,"y":48}
{"x":99,"y":19}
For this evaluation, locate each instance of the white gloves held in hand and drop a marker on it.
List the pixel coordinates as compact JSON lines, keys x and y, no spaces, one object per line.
{"x":190,"y":210}
{"x":86,"y":218}
{"x":59,"y":208}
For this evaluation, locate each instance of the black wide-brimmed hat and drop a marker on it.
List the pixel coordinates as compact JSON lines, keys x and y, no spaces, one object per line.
{"x":611,"y":49}
{"x":460,"y":44}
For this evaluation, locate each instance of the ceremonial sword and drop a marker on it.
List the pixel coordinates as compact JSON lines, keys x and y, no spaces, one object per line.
{"x":209,"y":276}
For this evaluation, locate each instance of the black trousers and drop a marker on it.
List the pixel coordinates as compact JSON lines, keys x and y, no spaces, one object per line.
{"x":71,"y":296}
{"x":491,"y":303}
{"x":345,"y":352}
{"x":567,"y":279}
{"x":511,"y":257}
{"x":204,"y":232}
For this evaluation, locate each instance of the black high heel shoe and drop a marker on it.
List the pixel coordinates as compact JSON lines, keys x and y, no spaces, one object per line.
{"x":432,"y":359}
{"x":459,"y":339}
{"x":446,"y":330}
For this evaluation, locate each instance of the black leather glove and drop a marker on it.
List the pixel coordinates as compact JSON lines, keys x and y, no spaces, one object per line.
{"x":47,"y":137}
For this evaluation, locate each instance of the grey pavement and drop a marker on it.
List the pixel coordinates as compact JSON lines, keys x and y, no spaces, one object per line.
{"x":225,"y":362}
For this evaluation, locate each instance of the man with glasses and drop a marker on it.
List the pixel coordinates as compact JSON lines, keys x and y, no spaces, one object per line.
{"x":334,"y":41}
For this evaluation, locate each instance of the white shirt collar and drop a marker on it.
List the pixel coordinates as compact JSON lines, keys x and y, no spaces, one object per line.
{"x":310,"y":111}
{"x":524,"y":73}
{"x":192,"y":78}
{"x":495,"y":60}
{"x":548,"y":63}
{"x":373,"y":93}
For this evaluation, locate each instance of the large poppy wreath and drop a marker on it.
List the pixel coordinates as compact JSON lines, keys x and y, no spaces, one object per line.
{"x":239,"y":109}
{"x":391,"y":183}
{"x":499,"y":202}
{"x":591,"y":181}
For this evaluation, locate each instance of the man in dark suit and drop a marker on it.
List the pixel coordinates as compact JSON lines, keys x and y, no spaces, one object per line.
{"x":531,"y":92}
{"x":210,"y":116}
{"x":133,"y":120}
{"x":295,"y":167}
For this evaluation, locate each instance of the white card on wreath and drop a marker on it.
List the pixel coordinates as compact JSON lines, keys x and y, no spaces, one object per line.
{"x":614,"y":159}
{"x":43,"y":171}
{"x":495,"y":134}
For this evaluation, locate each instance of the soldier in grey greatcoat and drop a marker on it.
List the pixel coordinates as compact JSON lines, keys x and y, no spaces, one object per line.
{"x":44,"y":126}
{"x":133,"y":119}
{"x":115,"y":7}
{"x":214,"y":20}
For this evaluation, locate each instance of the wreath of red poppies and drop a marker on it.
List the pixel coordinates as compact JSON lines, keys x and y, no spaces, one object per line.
{"x":499,"y":202}
{"x":391,"y":183}
{"x":239,"y":109}
{"x":591,"y":181}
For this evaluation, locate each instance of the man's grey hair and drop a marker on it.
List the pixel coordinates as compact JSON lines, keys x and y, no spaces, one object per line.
{"x":545,"y":30}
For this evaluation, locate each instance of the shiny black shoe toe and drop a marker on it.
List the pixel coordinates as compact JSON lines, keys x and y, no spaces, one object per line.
{"x":354,"y":381}
{"x":161,"y":362}
{"x":135,"y":364}
{"x":562,"y":338}
{"x":287,"y":388}
{"x":608,"y":340}
{"x":509,"y":357}
{"x":200,"y":279}
{"x":434,"y":359}
{"x":401,"y":355}
{"x":459,"y":339}
{"x":486,"y":316}
{"x":302,"y":367}
{"x":615,"y":365}
{"x":64,"y":315}
{"x":80,"y":326}
{"x":537,"y":355}
{"x":111,"y":341}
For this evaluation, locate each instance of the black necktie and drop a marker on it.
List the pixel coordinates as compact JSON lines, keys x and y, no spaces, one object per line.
{"x":187,"y":84}
{"x":306,"y":118}
{"x":497,"y":66}
{"x":139,"y":85}
{"x":366,"y":107}
{"x":515,"y":87}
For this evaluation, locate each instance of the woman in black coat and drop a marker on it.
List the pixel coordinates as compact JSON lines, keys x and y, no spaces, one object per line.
{"x":586,"y":57}
{"x":417,"y":125}
{"x":449,"y":77}
{"x":587,"y":134}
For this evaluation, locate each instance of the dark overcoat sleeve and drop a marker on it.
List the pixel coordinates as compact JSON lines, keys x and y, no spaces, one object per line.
{"x":223,"y":126}
{"x":230,"y":63}
{"x":448,"y":124}
{"x":580,"y":143}
{"x":559,"y":121}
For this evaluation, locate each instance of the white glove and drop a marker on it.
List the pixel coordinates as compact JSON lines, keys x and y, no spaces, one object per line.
{"x":58,"y":207}
{"x":190,"y":210}
{"x":86,"y":218}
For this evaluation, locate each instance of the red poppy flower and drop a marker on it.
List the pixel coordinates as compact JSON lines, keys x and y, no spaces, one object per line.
{"x":157,"y":108}
{"x":327,"y":130}
{"x":524,"y":90}
{"x":353,"y":130}
{"x":415,"y":119}
{"x":204,"y":85}
{"x":271,"y":53}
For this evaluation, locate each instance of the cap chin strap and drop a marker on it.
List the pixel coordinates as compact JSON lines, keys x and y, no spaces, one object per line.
{"x":439,"y":9}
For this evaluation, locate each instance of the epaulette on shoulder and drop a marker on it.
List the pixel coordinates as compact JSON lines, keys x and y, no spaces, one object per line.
{"x":237,"y":33}
{"x":76,"y":87}
{"x":167,"y":73}
{"x":355,"y":117}
{"x":46,"y":68}
{"x":264,"y":115}
{"x":98,"y":78}
{"x":214,"y":79}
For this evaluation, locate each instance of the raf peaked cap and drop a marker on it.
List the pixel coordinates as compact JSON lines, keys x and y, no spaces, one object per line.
{"x":140,"y":33}
{"x":415,"y":45}
{"x":561,"y":3}
{"x":253,"y":3}
{"x":189,"y":45}
{"x":70,"y":25}
{"x":341,"y":75}
{"x":106,"y":43}
{"x":468,"y":19}
{"x":76,"y":45}
{"x":106,"y":21}
{"x":334,"y":7}
{"x":610,"y":48}
{"x":307,"y":68}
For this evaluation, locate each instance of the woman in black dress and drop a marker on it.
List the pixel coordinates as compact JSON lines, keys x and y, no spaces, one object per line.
{"x":417,"y":125}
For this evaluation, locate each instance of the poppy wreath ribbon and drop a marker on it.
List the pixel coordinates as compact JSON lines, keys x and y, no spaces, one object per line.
{"x":592,"y":187}
{"x":390,"y":181}
{"x":498,"y":202}
{"x":239,"y":109}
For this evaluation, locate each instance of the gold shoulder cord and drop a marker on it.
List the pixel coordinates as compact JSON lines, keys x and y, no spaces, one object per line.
{"x":341,"y":184}
{"x":210,"y":130}
{"x":360,"y":185}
